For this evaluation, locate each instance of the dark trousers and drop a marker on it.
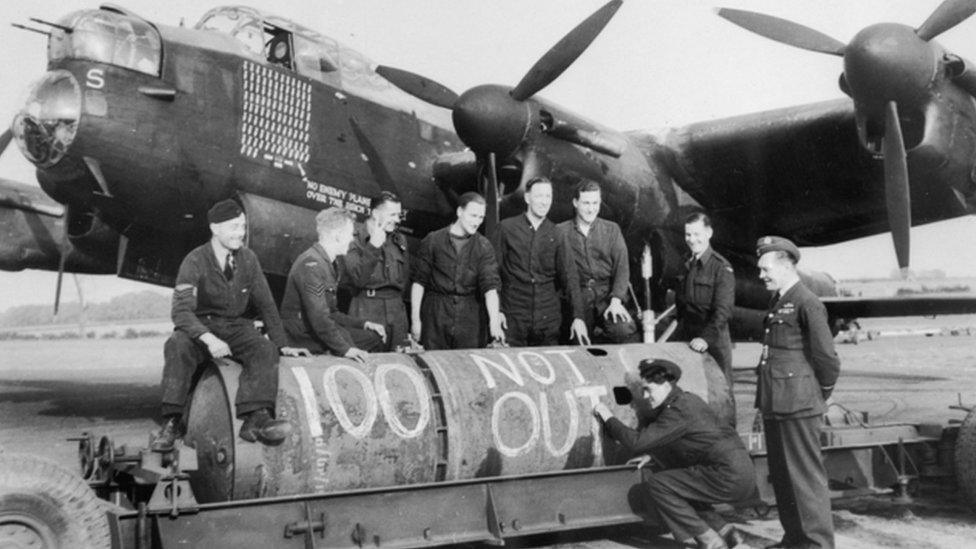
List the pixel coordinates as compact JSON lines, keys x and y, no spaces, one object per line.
{"x":682,"y":497}
{"x":522,"y":332}
{"x":299,"y":335}
{"x":388,"y":311}
{"x":800,"y":481}
{"x":452,"y":322}
{"x":259,"y":357}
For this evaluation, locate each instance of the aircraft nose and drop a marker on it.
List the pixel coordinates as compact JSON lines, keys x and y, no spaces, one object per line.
{"x":48,"y":123}
{"x":487,"y":119}
{"x":889,"y":62}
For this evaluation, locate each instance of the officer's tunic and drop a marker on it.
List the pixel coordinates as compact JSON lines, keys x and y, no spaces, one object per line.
{"x":454,"y":282}
{"x":378,"y":278}
{"x":531,"y":260}
{"x":706,"y":294}
{"x":309,"y":310}
{"x":704,"y":459}
{"x":798,"y":358}
{"x":603,"y":269}
{"x":206,"y":301}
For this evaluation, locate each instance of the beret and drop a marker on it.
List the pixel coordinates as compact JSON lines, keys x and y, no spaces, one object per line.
{"x":225,"y":210}
{"x":649,"y":367}
{"x":777,"y":244}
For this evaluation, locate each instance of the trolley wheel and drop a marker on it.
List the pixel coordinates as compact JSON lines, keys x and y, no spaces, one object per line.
{"x":45,"y":506}
{"x":965,"y":458}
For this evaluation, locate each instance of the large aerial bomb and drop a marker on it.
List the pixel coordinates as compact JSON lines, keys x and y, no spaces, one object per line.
{"x":435,"y":416}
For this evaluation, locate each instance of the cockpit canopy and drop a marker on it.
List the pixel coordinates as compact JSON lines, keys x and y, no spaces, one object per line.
{"x":107,"y":37}
{"x":288,"y":44}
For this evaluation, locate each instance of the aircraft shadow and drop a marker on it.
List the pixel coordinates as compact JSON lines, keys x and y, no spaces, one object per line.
{"x":112,"y":401}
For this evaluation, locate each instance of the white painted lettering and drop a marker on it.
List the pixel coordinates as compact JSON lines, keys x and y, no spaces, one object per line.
{"x":95,"y":79}
{"x":567,"y":356}
{"x":511,"y":371}
{"x":338,"y":407}
{"x":386,"y":403}
{"x":502,"y":447}
{"x":571,"y":431}
{"x":526,"y":358}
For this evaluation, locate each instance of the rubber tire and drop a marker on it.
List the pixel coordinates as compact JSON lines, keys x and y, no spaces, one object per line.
{"x":55,"y":503}
{"x":965,"y":458}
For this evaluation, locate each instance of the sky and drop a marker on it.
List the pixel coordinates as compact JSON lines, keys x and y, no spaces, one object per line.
{"x":658,"y":64}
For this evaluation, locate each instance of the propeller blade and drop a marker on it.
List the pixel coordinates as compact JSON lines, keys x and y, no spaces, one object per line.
{"x":949,"y":14}
{"x":897,"y":195}
{"x":419,"y":87}
{"x":372,"y":155}
{"x":567,"y":50}
{"x":491,"y":199}
{"x":783,"y":31}
{"x":5,"y":140}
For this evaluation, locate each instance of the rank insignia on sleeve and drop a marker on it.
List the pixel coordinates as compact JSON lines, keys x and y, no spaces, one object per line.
{"x":315,"y":289}
{"x":311,"y":263}
{"x":183,"y":290}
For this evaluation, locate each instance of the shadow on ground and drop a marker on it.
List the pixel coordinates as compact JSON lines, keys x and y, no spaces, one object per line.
{"x":78,"y":399}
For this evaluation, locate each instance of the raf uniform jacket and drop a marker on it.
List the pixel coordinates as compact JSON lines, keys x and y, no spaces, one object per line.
{"x":684,"y":432}
{"x":798,"y":357}
{"x":204,"y":295}
{"x":705,"y":298}
{"x":309,"y":308}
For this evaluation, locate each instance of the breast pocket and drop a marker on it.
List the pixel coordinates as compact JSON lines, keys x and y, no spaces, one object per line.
{"x":702,"y":289}
{"x":793,"y":388}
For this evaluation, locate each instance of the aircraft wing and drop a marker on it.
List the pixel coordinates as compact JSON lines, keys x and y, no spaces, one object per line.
{"x":797,"y":172}
{"x":28,"y":198}
{"x":919,"y":305}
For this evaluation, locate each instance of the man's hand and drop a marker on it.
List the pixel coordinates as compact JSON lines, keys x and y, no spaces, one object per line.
{"x":376,"y":327}
{"x":616,"y":312}
{"x":215,"y":346}
{"x":377,"y":235}
{"x":698,"y":344}
{"x":579,"y":332}
{"x":639,"y":461}
{"x":294,"y":351}
{"x":602,"y":412}
{"x":496,"y":328}
{"x":358,"y":355}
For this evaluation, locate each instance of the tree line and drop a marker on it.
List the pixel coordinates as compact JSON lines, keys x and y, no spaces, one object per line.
{"x":143,"y":305}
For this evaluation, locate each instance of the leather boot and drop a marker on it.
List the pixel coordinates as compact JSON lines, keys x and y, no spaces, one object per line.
{"x":259,"y":426}
{"x":165,"y":440}
{"x":710,"y":540}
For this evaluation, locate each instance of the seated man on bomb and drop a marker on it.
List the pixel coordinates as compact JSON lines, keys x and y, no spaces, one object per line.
{"x":704,"y":459}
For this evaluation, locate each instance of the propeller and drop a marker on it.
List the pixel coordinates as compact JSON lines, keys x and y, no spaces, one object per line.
{"x":5,"y":138}
{"x":494,"y":120}
{"x":897,"y":195}
{"x":886,"y":67}
{"x":564,"y":53}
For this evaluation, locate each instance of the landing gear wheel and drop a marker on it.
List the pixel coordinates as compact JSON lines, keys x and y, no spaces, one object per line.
{"x":45,"y":506}
{"x":965,"y":458}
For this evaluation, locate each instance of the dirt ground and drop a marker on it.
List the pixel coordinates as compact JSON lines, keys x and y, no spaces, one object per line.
{"x":55,"y":389}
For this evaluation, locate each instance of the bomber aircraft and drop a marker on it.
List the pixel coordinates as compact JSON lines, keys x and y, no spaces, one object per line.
{"x":137,"y":128}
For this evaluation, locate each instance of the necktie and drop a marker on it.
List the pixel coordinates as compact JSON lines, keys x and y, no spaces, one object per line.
{"x":229,"y":267}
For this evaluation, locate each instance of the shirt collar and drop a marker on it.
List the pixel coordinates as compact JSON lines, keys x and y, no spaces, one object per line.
{"x":782,"y":291}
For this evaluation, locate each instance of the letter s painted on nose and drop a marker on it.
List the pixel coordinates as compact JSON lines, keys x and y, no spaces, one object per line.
{"x":95,"y":79}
